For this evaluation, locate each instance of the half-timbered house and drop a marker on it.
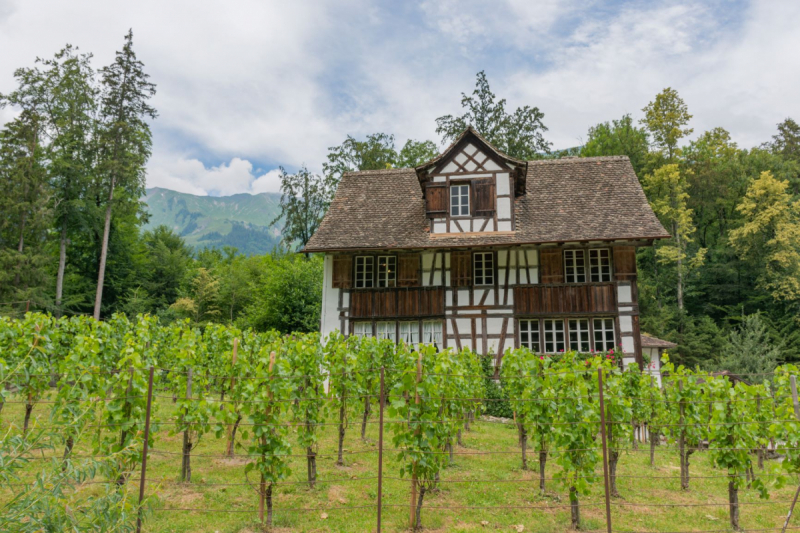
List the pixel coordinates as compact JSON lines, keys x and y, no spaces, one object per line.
{"x":475,"y":248}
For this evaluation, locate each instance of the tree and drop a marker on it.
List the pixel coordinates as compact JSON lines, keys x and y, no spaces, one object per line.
{"x":787,"y":140}
{"x":24,"y":213}
{"x":305,"y":198}
{"x":769,"y":236}
{"x":124,"y":140}
{"x":666,"y":188}
{"x":71,"y":109}
{"x":519,"y":134}
{"x":665,"y":118}
{"x":202,"y":307}
{"x":375,"y":153}
{"x":620,"y":137}
{"x":414,"y":153}
{"x":749,"y":349}
{"x":167,"y":264}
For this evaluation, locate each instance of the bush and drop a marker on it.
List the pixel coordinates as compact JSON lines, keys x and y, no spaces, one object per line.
{"x":497,"y":398}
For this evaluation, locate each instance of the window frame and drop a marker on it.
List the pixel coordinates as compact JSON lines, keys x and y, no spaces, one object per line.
{"x":573,"y":252}
{"x":412,"y":331}
{"x":367,"y":330}
{"x":603,"y":329}
{"x":530,"y":331}
{"x":578,"y":332}
{"x":554,"y":334}
{"x":436,"y":330}
{"x":483,"y":269}
{"x":605,"y":272}
{"x":364,"y":279}
{"x":460,"y":196}
{"x":386,"y":329}
{"x":389,"y":270}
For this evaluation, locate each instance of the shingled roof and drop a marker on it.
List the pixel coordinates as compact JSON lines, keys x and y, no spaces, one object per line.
{"x":566,"y":200}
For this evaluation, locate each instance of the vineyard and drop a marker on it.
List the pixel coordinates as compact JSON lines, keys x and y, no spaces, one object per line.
{"x":130,"y":424}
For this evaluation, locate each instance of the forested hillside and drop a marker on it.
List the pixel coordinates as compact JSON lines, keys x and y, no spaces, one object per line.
{"x":241,"y":221}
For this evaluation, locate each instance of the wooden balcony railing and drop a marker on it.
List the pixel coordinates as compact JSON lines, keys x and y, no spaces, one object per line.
{"x":397,"y":302}
{"x":565,"y":299}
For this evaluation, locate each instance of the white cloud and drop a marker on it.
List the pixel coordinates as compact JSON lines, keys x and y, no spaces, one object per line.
{"x":191,"y":176}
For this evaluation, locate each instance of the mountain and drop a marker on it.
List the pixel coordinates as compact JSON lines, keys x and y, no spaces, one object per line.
{"x":241,"y":220}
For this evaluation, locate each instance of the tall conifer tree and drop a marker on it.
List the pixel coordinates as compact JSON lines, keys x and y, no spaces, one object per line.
{"x":124,"y":140}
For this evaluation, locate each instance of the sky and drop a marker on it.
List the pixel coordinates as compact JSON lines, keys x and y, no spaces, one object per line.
{"x":245,"y":87}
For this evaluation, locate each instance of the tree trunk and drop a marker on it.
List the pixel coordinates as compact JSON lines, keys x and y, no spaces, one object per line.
{"x":232,"y":441}
{"x":68,"y":450}
{"x":21,"y":244}
{"x":523,"y":437}
{"x":733,"y":505}
{"x":761,"y":452}
{"x":186,"y":465}
{"x":62,"y":264}
{"x":340,"y":459}
{"x":28,"y":411}
{"x":654,"y":438}
{"x":467,"y":421}
{"x":458,"y":438}
{"x":418,"y":513}
{"x":450,"y":450}
{"x":265,"y":502}
{"x":101,"y":272}
{"x":613,"y":459}
{"x":680,"y":264}
{"x":574,"y":509}
{"x":542,"y":464}
{"x":635,"y":441}
{"x":364,"y":419}
{"x":312,"y":467}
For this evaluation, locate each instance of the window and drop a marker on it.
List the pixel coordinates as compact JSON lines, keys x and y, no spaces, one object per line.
{"x":553,"y":336}
{"x":575,"y":266}
{"x":387,"y":270}
{"x":362,"y":329}
{"x":579,"y":335}
{"x":386,"y":330}
{"x":409,"y":333}
{"x":459,"y":200}
{"x":364,"y":267}
{"x":483,"y":268}
{"x":432,"y":332}
{"x":600,"y":265}
{"x":603,"y":334}
{"x":529,"y":335}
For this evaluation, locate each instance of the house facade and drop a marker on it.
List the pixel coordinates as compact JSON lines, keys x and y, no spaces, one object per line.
{"x":477,"y":249}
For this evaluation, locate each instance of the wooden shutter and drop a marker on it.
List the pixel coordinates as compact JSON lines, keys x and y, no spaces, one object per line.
{"x":461,"y":269}
{"x":436,"y":199}
{"x":625,"y":262}
{"x":483,"y":197}
{"x":408,"y":270}
{"x":342,"y":271}
{"x":552,"y":265}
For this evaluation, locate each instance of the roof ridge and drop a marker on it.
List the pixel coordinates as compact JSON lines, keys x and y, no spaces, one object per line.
{"x":574,"y":159}
{"x":379,"y":170}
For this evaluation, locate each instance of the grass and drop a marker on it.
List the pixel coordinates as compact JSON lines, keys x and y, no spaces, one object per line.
{"x":233,"y":508}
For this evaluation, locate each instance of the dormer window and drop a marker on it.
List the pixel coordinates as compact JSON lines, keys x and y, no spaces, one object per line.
{"x":459,"y":200}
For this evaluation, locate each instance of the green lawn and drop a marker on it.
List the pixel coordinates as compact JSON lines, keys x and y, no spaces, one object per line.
{"x":489,"y":480}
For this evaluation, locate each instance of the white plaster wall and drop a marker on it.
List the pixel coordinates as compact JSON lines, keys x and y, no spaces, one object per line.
{"x":439,"y":179}
{"x":464,"y":327}
{"x":627,"y":344}
{"x":624,"y":293}
{"x":463,"y":297}
{"x":504,"y":225}
{"x":330,"y":300}
{"x":503,"y":185}
{"x":439,"y":227}
{"x":491,"y":165}
{"x":494,"y":325}
{"x":625,"y":324}
{"x":504,"y":208}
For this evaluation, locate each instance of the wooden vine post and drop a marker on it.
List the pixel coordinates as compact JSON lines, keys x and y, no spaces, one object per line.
{"x":232,"y":427}
{"x":413,"y":510}
{"x":796,"y":405}
{"x":186,"y":467}
{"x":265,"y":491}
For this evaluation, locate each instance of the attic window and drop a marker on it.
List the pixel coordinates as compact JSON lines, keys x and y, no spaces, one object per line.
{"x":459,"y":200}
